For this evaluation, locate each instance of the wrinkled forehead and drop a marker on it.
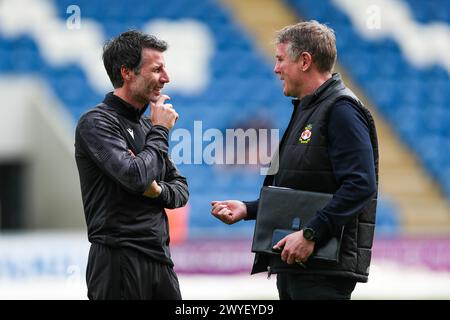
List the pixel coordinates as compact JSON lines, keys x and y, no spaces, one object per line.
{"x":280,"y":49}
{"x":152,"y":57}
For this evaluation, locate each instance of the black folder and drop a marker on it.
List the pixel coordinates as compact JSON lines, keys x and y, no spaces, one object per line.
{"x":282,"y":211}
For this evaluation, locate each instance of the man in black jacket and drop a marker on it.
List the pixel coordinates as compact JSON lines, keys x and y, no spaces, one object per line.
{"x":330,"y":146}
{"x":127,"y":177}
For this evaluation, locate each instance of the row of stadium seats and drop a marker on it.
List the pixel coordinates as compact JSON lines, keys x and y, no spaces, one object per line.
{"x":242,"y":83}
{"x":430,"y":11}
{"x":415,"y":101}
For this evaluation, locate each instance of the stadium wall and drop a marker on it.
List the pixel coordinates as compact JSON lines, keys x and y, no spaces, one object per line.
{"x":35,"y":130}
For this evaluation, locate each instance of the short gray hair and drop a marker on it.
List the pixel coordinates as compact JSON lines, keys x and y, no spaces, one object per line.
{"x":313,"y":37}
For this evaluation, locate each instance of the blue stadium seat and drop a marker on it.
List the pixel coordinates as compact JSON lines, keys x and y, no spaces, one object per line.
{"x":430,"y":11}
{"x":5,"y":60}
{"x":387,"y":220}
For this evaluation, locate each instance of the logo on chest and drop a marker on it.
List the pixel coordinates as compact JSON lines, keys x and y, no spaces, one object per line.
{"x":130,"y":131}
{"x":305,"y":137}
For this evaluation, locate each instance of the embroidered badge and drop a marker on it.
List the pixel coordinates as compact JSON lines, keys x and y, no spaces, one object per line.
{"x":305,"y":137}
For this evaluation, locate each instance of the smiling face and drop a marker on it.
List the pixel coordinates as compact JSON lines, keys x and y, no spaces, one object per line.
{"x":289,"y":71}
{"x":146,"y":84}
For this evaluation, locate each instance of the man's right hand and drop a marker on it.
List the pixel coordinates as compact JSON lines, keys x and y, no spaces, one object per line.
{"x":163,"y":114}
{"x":229,"y":211}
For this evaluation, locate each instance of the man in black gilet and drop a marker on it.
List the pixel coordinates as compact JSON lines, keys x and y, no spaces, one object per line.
{"x":330,"y":146}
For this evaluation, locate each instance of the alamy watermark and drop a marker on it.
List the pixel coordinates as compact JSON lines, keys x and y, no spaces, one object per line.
{"x":373,"y":20}
{"x":250,"y":147}
{"x":73,"y":276}
{"x":73,"y":22}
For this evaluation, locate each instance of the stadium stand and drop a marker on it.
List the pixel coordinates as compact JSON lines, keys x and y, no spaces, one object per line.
{"x":242,"y":81}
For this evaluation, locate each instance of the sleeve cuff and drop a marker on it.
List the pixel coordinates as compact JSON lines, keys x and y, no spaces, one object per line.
{"x":161,"y":200}
{"x":252,"y":209}
{"x":320,"y":228}
{"x":163,"y":195}
{"x":161,"y":128}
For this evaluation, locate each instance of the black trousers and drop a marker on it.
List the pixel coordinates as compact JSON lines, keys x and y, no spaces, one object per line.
{"x":292,"y":286}
{"x":123,"y":273}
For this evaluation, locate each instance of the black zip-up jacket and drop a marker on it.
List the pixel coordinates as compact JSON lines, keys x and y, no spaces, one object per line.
{"x":113,"y":180}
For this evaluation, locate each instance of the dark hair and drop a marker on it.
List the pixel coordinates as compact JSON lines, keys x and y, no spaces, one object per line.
{"x":313,"y":37}
{"x":126,"y":50}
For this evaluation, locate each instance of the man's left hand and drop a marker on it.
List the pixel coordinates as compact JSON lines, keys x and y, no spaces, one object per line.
{"x":295,"y":248}
{"x":153,"y":191}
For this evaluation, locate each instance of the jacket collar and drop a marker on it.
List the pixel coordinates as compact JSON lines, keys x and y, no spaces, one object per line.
{"x":124,"y":108}
{"x":321,"y":93}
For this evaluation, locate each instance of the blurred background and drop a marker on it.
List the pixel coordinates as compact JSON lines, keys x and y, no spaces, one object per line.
{"x":393,"y":53}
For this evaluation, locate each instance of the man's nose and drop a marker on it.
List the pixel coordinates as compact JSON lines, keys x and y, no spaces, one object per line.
{"x":276,"y":69}
{"x":164,"y":77}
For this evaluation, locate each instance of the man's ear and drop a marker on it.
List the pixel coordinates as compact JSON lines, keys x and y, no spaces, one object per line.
{"x":126,"y":73}
{"x":305,"y":61}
